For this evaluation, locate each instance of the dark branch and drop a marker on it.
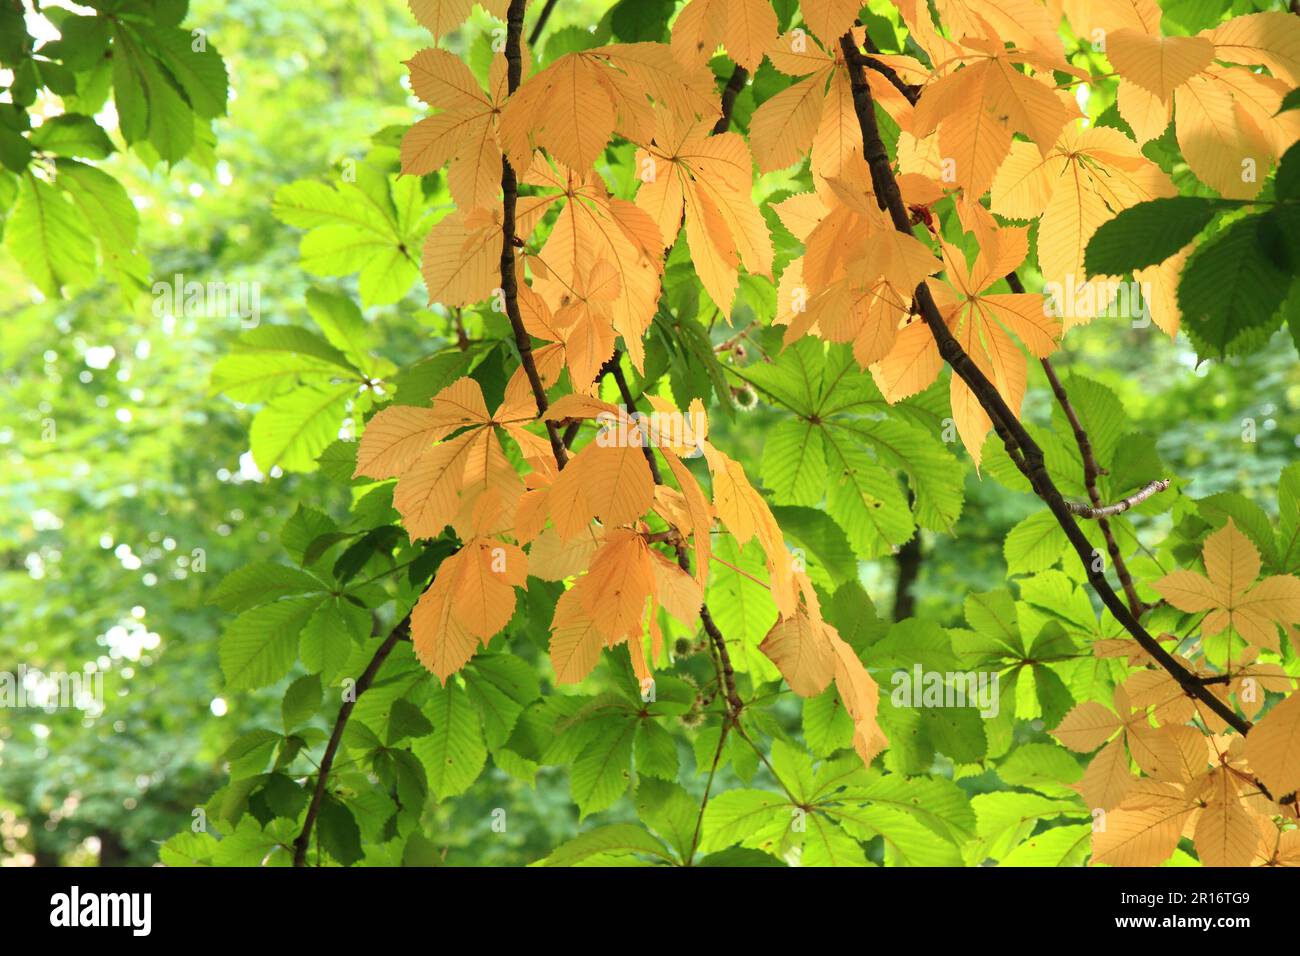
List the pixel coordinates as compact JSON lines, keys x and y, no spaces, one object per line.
{"x":398,"y":633}
{"x":510,"y":197}
{"x":1090,"y":469}
{"x":1090,"y":473}
{"x":540,"y":25}
{"x":913,"y":93}
{"x":734,"y":703}
{"x":908,"y":560}
{"x":509,"y":286}
{"x":1006,"y":424}
{"x":729,"y":93}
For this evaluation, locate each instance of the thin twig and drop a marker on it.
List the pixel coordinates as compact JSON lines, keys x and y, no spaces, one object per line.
{"x":1102,"y":512}
{"x":734,"y":702}
{"x":1091,"y":471}
{"x":708,"y":786}
{"x":613,"y":368}
{"x":766,"y":763}
{"x":913,"y":93}
{"x":540,"y":25}
{"x":398,"y":633}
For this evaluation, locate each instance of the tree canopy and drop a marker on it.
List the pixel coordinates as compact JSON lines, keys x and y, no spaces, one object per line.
{"x":720,"y":432}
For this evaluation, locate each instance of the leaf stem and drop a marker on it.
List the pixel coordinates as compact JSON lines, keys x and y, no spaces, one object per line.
{"x":708,"y":786}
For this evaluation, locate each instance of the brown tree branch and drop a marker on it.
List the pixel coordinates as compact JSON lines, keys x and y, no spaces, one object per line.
{"x":708,"y":786}
{"x":614,"y":369}
{"x":1090,"y":473}
{"x":510,"y":197}
{"x":913,"y":93}
{"x":908,"y":561}
{"x":510,"y":290}
{"x":739,"y":76}
{"x":1090,"y":469}
{"x":398,"y":633}
{"x":560,"y":444}
{"x":540,"y":25}
{"x":1005,"y":423}
{"x":1102,"y":512}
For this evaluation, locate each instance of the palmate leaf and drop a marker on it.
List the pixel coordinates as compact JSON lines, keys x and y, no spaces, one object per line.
{"x":1059,"y":846}
{"x":602,"y":771}
{"x":671,"y":814}
{"x":1099,"y":412}
{"x":865,"y":499}
{"x":150,"y":106}
{"x":308,"y":381}
{"x":107,"y":210}
{"x":1004,"y":819}
{"x":188,"y":849}
{"x":937,"y":803}
{"x":1230,"y":593}
{"x":72,"y":134}
{"x":501,"y":686}
{"x":249,"y":755}
{"x":937,"y":485}
{"x":909,"y":642}
{"x":827,"y":726}
{"x":825,"y":843}
{"x":844,"y":446}
{"x":921,"y":820}
{"x":301,"y":701}
{"x":907,"y":841}
{"x":1047,"y":768}
{"x":330,"y":635}
{"x":200,"y":73}
{"x":794,"y":463}
{"x":634,"y":21}
{"x":1249,"y":517}
{"x":251,"y":844}
{"x":344,"y":328}
{"x":338,"y":832}
{"x":372,"y":225}
{"x":1271,"y":747}
{"x":757,"y":819}
{"x":656,"y":751}
{"x":918,"y":736}
{"x":828,"y":557}
{"x":742,"y":607}
{"x":1035,"y":544}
